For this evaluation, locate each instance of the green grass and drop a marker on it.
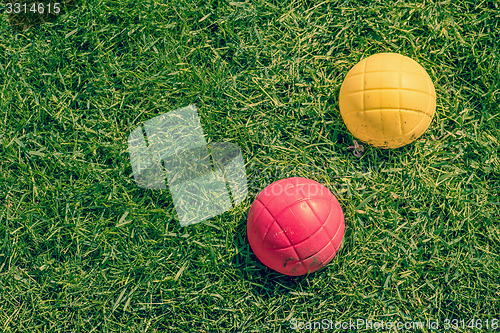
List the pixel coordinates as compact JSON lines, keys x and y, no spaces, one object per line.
{"x":83,"y":249}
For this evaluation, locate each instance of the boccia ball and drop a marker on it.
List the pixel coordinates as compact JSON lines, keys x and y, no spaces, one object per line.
{"x":387,"y":100}
{"x":295,"y":226}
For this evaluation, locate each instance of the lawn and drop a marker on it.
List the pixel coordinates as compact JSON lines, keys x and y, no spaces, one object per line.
{"x":84,"y":249}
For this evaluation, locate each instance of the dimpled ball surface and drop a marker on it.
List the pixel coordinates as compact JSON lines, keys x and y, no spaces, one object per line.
{"x":295,"y":226}
{"x":387,"y":100}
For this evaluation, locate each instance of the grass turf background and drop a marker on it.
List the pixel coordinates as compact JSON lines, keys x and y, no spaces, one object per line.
{"x":82,"y":248}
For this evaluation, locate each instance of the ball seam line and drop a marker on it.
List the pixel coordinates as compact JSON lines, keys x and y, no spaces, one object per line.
{"x":284,"y":233}
{"x":385,"y":71}
{"x":323,"y":248}
{"x":389,"y":109}
{"x":294,"y":203}
{"x":260,"y":212}
{"x":322,"y":227}
{"x":364,"y":87}
{"x":400,"y":97}
{"x":281,"y":211}
{"x":312,"y":234}
{"x":345,"y":94}
{"x":321,"y":223}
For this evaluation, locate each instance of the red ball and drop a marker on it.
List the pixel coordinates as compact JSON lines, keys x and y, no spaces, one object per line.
{"x":295,"y":226}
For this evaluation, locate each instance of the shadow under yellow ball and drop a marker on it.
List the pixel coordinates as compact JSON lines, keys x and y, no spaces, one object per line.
{"x":387,"y":100}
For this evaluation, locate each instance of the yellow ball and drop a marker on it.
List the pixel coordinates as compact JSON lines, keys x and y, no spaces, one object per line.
{"x":387,"y":100}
